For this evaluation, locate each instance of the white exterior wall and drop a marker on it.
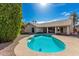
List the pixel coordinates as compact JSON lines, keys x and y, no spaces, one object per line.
{"x":68,"y":30}
{"x":56,"y":29}
{"x":71,"y":24}
{"x":64,"y":30}
{"x":38,"y":30}
{"x":28,"y":29}
{"x":47,"y":29}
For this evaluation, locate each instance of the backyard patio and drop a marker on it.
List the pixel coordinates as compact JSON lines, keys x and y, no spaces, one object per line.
{"x":71,"y":49}
{"x":19,"y":47}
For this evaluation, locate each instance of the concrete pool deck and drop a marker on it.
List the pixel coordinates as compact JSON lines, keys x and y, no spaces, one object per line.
{"x":72,"y":47}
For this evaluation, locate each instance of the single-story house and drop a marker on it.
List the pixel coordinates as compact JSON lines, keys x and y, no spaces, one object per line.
{"x":63,"y":27}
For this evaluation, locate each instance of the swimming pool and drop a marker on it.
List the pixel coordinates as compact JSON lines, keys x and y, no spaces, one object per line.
{"x":45,"y":43}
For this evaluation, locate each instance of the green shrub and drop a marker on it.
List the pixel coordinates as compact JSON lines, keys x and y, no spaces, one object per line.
{"x":10,"y":21}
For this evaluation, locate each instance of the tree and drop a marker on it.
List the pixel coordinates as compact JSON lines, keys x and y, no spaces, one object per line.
{"x":75,"y":20}
{"x":10,"y":21}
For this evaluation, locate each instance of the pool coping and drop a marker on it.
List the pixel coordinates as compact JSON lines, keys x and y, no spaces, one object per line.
{"x":22,"y":50}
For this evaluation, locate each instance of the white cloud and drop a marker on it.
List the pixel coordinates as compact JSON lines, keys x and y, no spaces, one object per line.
{"x":66,"y":13}
{"x":59,"y":4}
{"x":39,"y":22}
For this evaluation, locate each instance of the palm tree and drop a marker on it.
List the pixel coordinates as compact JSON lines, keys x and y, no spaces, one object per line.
{"x":75,"y":20}
{"x":34,"y":21}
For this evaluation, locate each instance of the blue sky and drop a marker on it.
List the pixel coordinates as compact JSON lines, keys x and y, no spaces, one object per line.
{"x":48,"y":12}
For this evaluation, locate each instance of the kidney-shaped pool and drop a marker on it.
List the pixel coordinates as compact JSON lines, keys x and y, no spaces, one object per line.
{"x":45,"y":43}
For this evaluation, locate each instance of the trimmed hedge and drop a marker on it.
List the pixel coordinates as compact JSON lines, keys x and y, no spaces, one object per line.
{"x":10,"y":21}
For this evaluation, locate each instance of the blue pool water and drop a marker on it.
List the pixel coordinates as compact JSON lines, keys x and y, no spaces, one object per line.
{"x":45,"y":43}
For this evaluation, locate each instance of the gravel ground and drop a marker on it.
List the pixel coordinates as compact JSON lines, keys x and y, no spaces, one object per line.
{"x":7,"y":49}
